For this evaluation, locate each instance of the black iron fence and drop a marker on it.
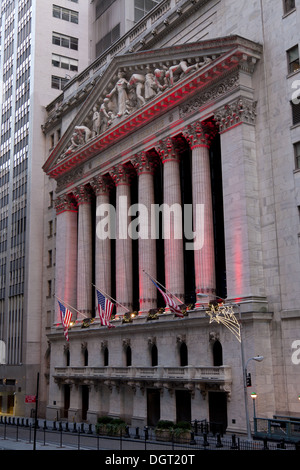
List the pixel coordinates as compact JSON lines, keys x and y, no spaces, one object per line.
{"x":83,"y":436}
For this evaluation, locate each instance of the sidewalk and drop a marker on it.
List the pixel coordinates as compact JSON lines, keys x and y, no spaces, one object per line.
{"x":11,"y":445}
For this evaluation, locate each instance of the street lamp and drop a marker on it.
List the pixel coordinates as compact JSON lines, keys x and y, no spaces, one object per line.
{"x":258,"y":359}
{"x":254,"y":396}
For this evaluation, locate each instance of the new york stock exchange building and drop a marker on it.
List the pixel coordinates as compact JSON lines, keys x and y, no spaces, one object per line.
{"x":159,"y":176}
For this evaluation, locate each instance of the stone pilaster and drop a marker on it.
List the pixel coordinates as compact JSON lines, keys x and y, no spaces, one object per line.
{"x":85,"y":260}
{"x":172,"y":218}
{"x":244,"y":264}
{"x":199,"y":136}
{"x":144,"y":164}
{"x":101,"y":186}
{"x":66,"y":252}
{"x":122,"y":175}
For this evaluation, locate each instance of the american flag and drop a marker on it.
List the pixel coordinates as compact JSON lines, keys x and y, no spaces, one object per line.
{"x":170,"y":302}
{"x":105,"y":308}
{"x":66,"y":316}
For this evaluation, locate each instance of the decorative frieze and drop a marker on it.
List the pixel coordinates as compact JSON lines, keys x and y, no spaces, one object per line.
{"x":211,"y":93}
{"x":236,"y":112}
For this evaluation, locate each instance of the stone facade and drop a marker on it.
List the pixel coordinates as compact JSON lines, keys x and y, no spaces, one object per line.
{"x":186,"y":117}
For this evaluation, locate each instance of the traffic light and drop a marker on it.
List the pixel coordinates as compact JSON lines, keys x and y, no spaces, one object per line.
{"x":248,"y":380}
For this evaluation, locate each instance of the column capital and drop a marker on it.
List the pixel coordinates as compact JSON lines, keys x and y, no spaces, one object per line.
{"x":82,"y":194}
{"x":241,"y":110}
{"x":64,"y":203}
{"x":121,"y":174}
{"x":101,"y":184}
{"x":144,"y":162}
{"x":167,"y":150}
{"x":200,"y":134}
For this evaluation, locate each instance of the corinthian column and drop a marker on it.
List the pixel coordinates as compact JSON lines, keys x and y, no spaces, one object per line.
{"x":172,"y":219}
{"x":199,"y":138}
{"x":84,"y":271}
{"x":124,"y":289}
{"x":144,"y":164}
{"x":66,"y":252}
{"x":101,"y":186}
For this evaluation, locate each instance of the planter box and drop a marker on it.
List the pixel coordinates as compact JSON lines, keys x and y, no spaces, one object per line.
{"x":163,"y":435}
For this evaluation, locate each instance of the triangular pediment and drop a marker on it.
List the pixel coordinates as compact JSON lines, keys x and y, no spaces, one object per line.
{"x":135,"y":88}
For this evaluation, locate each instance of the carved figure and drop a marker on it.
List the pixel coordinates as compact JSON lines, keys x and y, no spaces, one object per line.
{"x":138,"y":81}
{"x":96,"y":121}
{"x":121,"y":89}
{"x":178,"y":70}
{"x":150,"y":86}
{"x":160,"y":79}
{"x":84,"y":133}
{"x":106,"y":115}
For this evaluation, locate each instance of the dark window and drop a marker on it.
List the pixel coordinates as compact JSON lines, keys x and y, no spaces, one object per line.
{"x":128,"y":356}
{"x":86,"y":357}
{"x":141,"y":7}
{"x":183,"y":355}
{"x":105,"y":354}
{"x":293,"y":59}
{"x":108,"y":40}
{"x":102,"y":5}
{"x":297,"y":155}
{"x":58,"y":82}
{"x":296,"y":111}
{"x":288,"y":5}
{"x":154,"y":355}
{"x":217,"y":354}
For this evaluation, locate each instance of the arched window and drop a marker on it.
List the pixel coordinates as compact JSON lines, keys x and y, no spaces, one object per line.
{"x":154,"y":355}
{"x":128,"y":356}
{"x":217,"y":354}
{"x":183,"y":354}
{"x":105,"y":356}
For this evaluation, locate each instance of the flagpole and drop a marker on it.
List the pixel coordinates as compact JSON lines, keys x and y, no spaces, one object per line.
{"x":70,"y":306}
{"x":151,"y":277}
{"x":111,"y":298}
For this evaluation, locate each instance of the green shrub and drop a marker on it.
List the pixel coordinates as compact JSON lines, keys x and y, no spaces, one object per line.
{"x":164,"y":424}
{"x":183,"y":425}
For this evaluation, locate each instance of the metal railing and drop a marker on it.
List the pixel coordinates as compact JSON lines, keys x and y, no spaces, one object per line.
{"x":80,"y":436}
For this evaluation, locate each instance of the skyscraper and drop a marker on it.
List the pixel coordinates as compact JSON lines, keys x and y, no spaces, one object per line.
{"x":43,"y":45}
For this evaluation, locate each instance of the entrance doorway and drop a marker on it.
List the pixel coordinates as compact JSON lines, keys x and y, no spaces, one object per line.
{"x":218,"y":409}
{"x":153,"y":406}
{"x":183,"y":406}
{"x":85,"y":401}
{"x":67,"y":394}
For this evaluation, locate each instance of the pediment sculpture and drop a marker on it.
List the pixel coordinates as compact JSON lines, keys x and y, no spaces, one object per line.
{"x":129,"y":93}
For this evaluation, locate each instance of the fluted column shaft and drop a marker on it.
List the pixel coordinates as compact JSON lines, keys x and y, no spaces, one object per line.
{"x":66,"y":253}
{"x":144,"y":165}
{"x":172,"y":220}
{"x":124,"y":284}
{"x":84,"y":271}
{"x":101,"y":187}
{"x":199,"y":139}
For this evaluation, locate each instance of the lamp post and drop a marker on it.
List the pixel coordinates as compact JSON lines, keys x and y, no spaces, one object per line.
{"x":258,"y":359}
{"x":254,"y":396}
